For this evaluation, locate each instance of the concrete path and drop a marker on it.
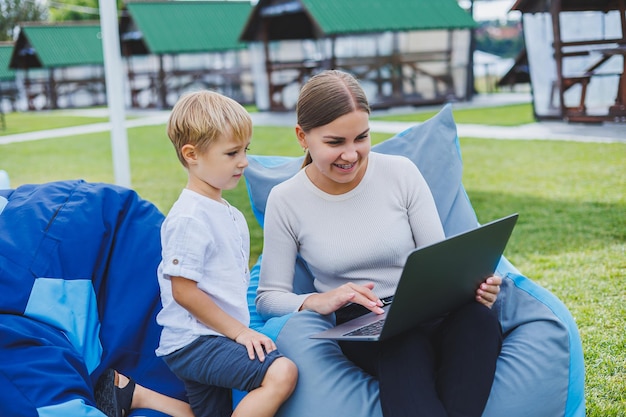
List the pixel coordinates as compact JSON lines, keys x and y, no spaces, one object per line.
{"x":552,"y":130}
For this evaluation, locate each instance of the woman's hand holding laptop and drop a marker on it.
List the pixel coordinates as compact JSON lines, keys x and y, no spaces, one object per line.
{"x":488,"y":291}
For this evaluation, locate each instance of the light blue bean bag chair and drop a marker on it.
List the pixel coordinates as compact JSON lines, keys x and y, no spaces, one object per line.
{"x":540,"y":372}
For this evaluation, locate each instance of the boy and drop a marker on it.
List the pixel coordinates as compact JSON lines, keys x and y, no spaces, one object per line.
{"x":204,"y":273}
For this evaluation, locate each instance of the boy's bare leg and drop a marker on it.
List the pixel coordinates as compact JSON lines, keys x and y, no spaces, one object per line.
{"x":147,"y":398}
{"x":278,"y":384}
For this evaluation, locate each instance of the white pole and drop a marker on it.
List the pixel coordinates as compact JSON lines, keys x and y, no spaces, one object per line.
{"x":113,"y":74}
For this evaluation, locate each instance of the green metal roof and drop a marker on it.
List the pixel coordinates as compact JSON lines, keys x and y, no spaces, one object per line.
{"x":64,"y":46}
{"x":354,"y":16}
{"x":6,"y":74}
{"x":190,"y":26}
{"x":307,"y":19}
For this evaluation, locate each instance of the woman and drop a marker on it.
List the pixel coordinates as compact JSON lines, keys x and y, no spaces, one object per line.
{"x":353,"y":216}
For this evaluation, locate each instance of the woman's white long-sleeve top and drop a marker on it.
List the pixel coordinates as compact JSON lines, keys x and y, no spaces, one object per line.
{"x":364,"y":235}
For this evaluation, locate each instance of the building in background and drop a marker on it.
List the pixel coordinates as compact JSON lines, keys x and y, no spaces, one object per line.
{"x":403,"y":51}
{"x":576,"y":57}
{"x":173,"y":47}
{"x":167,"y":46}
{"x":59,"y":65}
{"x":8,"y":85}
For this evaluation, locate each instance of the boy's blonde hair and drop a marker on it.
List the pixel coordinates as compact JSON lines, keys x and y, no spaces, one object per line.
{"x":200,"y":118}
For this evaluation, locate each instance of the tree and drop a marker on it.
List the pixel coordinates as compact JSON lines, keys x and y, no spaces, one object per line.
{"x":12,"y":12}
{"x":72,"y":10}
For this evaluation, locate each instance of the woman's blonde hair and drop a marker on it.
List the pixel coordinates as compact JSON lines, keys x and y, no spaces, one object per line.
{"x":327,"y":96}
{"x":201,"y":117}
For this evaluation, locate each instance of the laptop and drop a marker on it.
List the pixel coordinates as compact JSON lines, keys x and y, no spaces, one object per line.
{"x":435,"y":280}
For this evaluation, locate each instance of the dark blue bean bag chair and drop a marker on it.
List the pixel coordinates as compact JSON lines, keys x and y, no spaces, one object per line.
{"x":78,"y":294}
{"x":540,"y":372}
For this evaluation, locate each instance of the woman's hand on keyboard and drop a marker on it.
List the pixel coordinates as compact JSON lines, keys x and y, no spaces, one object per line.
{"x":330,"y":301}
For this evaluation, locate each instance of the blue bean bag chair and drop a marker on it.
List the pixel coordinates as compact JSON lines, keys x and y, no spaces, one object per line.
{"x":78,"y":294}
{"x":540,"y":371}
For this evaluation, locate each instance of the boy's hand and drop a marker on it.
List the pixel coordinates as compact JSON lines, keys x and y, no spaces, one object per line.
{"x":255,"y":342}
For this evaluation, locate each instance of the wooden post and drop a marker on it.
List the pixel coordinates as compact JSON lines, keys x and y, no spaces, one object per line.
{"x":396,"y":71}
{"x":555,"y":11}
{"x":162,"y":89}
{"x":268,"y":64}
{"x":621,"y":5}
{"x":52,"y":90}
{"x":470,"y":88}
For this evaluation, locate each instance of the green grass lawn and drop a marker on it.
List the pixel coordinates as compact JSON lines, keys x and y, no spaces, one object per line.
{"x":509,"y":115}
{"x":21,"y":122}
{"x":570,"y":238}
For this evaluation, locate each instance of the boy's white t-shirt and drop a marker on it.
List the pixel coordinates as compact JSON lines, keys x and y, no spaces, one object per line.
{"x":208,"y":242}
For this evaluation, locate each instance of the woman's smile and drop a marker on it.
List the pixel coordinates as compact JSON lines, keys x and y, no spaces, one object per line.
{"x":346,"y":167}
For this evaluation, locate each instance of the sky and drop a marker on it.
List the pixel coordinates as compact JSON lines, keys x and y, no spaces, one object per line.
{"x":491,"y":10}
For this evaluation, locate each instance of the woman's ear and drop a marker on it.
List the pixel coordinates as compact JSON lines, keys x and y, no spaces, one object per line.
{"x":301,"y":137}
{"x":189,"y":153}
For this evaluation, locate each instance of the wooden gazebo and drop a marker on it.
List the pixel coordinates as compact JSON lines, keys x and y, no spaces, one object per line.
{"x":409,"y":52}
{"x":59,"y":62}
{"x":577,"y":58}
{"x":8,"y":87}
{"x":171,"y":46}
{"x":518,"y":74}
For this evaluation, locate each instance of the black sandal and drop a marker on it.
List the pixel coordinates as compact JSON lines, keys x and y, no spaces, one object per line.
{"x":125,"y":396}
{"x":111,"y":399}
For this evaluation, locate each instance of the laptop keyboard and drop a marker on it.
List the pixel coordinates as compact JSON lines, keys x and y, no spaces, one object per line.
{"x":368,"y":330}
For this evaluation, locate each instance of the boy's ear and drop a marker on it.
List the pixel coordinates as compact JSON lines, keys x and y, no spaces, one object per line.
{"x":189,"y":153}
